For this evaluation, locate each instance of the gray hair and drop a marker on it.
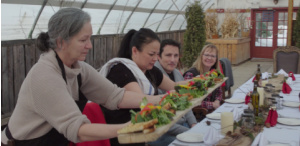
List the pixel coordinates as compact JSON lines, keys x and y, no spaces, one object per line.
{"x":64,"y":24}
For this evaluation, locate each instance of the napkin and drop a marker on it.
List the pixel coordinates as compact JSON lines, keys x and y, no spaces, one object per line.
{"x":272,"y":117}
{"x":289,"y":81}
{"x":211,"y":137}
{"x":260,"y":140}
{"x":282,"y":72}
{"x":254,"y":79}
{"x":291,"y":74}
{"x":264,"y":75}
{"x":269,"y":117}
{"x":247,"y":98}
{"x":286,"y":89}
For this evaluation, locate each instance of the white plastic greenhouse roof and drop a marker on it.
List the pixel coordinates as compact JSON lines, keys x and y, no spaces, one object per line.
{"x":24,"y":19}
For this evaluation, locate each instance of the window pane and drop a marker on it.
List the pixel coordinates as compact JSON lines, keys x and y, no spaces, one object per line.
{"x":280,"y":23}
{"x":264,"y":34}
{"x":257,"y":42}
{"x":264,"y":26}
{"x":294,"y":15}
{"x":270,"y":34}
{"x":258,"y":33}
{"x":270,"y":25}
{"x":258,"y":16}
{"x":281,"y":42}
{"x":269,"y":42}
{"x":281,"y":16}
{"x":285,"y":16}
{"x":263,"y":42}
{"x":258,"y":25}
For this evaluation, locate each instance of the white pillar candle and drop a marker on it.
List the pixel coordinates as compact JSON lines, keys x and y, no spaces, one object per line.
{"x":226,"y":122}
{"x":261,"y":93}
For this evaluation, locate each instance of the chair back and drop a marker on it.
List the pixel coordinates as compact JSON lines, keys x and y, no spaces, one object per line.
{"x":94,"y":114}
{"x":286,"y":58}
{"x":227,"y":70}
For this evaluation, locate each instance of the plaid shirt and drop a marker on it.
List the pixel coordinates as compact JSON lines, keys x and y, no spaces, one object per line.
{"x":208,"y":103}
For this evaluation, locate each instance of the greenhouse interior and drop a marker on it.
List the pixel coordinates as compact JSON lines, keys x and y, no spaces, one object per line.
{"x":199,"y":72}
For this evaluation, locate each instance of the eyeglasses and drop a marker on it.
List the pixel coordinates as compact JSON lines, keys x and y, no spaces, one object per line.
{"x":212,"y":56}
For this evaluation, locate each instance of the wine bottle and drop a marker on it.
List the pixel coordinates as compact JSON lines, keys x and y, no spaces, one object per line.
{"x":255,"y":98}
{"x":258,"y":73}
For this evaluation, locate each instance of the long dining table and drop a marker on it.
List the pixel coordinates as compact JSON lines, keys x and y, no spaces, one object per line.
{"x":280,"y":133}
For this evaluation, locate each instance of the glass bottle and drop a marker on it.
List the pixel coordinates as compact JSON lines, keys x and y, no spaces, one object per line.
{"x":255,"y":99}
{"x":247,"y":121}
{"x":258,"y":73}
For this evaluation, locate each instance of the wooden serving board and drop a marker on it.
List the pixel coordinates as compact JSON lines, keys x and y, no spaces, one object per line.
{"x":140,"y":137}
{"x":242,"y":140}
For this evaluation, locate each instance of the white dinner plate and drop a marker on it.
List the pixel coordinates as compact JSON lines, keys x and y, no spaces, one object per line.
{"x":215,"y":116}
{"x":291,"y":104}
{"x":289,"y":121}
{"x":234,"y":100}
{"x":190,"y":137}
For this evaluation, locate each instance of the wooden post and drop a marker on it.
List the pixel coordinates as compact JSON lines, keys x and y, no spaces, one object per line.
{"x":290,"y":20}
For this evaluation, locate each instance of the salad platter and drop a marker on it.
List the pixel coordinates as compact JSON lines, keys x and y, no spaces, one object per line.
{"x":141,"y":137}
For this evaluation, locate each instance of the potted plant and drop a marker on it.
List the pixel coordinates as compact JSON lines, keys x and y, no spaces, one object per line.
{"x":194,"y":36}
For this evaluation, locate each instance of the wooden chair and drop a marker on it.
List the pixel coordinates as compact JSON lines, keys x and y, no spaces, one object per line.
{"x":286,"y":58}
{"x":200,"y":113}
{"x":95,"y":115}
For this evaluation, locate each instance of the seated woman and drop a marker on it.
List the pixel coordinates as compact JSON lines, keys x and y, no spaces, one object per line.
{"x":135,"y":71}
{"x":206,"y":61}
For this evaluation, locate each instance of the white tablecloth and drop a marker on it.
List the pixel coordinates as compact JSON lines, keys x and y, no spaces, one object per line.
{"x":278,"y":134}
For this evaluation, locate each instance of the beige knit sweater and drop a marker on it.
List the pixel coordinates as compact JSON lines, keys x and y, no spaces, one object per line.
{"x":46,"y":101}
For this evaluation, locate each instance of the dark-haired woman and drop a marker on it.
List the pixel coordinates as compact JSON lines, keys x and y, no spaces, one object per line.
{"x":134,"y":70}
{"x":51,"y":98}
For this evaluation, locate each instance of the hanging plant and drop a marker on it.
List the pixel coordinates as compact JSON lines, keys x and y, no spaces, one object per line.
{"x":296,"y":31}
{"x":194,"y":36}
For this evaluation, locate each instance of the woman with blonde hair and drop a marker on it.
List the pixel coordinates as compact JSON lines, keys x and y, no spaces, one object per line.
{"x":206,"y":61}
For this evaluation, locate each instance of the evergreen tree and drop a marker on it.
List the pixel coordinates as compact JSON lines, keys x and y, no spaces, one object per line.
{"x":296,"y":31}
{"x":194,"y":36}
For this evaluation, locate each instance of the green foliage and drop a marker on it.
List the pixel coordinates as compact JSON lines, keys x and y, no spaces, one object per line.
{"x":194,"y":36}
{"x":259,"y":120}
{"x":296,"y":31}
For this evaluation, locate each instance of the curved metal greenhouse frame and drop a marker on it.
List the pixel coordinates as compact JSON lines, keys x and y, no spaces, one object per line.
{"x":25,"y":19}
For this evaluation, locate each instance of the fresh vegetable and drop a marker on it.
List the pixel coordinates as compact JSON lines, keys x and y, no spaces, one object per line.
{"x":149,"y":112}
{"x":176,"y":101}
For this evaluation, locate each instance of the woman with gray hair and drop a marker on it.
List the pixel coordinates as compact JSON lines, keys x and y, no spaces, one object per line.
{"x":56,"y":89}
